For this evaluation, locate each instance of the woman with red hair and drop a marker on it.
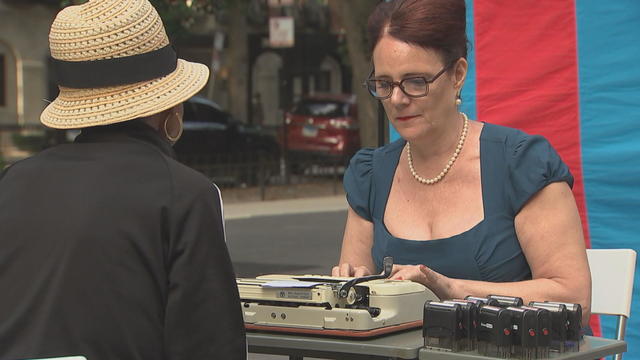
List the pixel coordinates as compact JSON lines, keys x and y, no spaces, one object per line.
{"x":466,"y":207}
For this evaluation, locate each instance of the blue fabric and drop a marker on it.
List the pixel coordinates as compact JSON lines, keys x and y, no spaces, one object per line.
{"x":469,"y":89}
{"x":608,"y":53}
{"x":514,"y":166}
{"x":357,"y":182}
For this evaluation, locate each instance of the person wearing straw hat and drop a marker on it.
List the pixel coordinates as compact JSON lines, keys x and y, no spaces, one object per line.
{"x":112,"y":249}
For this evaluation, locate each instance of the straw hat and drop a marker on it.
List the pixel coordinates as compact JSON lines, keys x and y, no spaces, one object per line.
{"x":114,"y":63}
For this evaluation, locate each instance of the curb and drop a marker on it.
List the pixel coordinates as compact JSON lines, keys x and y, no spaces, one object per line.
{"x":246,"y":210}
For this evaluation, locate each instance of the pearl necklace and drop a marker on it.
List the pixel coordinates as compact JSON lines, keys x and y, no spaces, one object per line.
{"x":453,"y":158}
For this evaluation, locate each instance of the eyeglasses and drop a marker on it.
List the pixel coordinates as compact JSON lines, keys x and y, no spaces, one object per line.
{"x":413,"y":87}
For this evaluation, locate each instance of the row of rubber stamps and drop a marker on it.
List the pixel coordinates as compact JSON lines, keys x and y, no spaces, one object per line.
{"x":502,"y":326}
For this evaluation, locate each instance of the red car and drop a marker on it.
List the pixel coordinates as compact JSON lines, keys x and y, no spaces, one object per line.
{"x":322,"y":126}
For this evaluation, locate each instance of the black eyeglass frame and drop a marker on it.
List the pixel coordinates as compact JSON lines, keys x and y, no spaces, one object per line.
{"x":399,"y":83}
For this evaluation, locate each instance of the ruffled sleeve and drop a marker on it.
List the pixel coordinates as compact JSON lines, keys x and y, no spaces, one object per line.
{"x":358,"y":184}
{"x":533,"y":164}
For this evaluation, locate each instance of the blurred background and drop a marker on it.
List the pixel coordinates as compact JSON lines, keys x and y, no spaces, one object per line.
{"x":284,"y":110}
{"x":279,"y":110}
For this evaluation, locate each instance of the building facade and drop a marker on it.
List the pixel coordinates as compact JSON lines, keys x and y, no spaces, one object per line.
{"x":24,"y":50}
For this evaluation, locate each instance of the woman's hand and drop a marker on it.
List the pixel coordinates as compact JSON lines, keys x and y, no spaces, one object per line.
{"x":355,"y":257}
{"x":349,"y":270}
{"x":436,"y":282}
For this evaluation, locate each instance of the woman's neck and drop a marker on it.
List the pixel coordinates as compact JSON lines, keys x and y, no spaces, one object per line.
{"x":440,"y":141}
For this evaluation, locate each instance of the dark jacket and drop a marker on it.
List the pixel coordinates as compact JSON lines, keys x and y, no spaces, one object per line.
{"x":111,"y":249}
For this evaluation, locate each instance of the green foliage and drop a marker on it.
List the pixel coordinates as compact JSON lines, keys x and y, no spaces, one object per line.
{"x":65,"y":3}
{"x":33,"y":2}
{"x":31,"y":143}
{"x":176,"y":15}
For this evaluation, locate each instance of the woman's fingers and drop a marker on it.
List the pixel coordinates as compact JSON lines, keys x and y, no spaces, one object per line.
{"x":417,"y":273}
{"x":423,"y":269}
{"x":348,"y":270}
{"x":401,"y":272}
{"x":335,"y":271}
{"x":397,"y":268}
{"x":345,"y":269}
{"x":361,"y":271}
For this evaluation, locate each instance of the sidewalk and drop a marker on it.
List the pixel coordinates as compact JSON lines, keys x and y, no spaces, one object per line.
{"x":280,"y":200}
{"x":244,"y":210}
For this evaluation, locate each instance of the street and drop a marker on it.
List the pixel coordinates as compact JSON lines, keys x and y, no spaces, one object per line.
{"x":306,"y":243}
{"x":291,"y":243}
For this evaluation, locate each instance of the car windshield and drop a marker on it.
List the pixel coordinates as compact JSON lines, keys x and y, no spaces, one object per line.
{"x":326,"y":108}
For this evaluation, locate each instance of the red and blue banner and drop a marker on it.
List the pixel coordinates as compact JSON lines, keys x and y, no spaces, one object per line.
{"x":568,"y":70}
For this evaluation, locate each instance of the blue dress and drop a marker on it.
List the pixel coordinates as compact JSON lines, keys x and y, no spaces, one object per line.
{"x":514,"y":166}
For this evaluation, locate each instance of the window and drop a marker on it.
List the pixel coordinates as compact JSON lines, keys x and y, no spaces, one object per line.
{"x":3,"y":81}
{"x":323,"y":81}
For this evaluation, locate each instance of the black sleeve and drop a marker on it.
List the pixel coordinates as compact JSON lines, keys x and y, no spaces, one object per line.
{"x":203,"y":318}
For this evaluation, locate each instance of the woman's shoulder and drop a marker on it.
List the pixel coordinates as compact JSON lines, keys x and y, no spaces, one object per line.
{"x":531,"y":162}
{"x":358,"y":179}
{"x":515,"y":142}
{"x":393,"y":146}
{"x":363,"y":160}
{"x":186,"y":177}
{"x":503,"y":134}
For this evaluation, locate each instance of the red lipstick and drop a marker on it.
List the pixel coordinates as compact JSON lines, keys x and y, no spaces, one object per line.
{"x":405,"y":118}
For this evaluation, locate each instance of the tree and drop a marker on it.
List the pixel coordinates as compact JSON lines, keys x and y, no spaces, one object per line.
{"x":32,"y":2}
{"x":177,"y":15}
{"x":353,"y":15}
{"x":238,"y":59}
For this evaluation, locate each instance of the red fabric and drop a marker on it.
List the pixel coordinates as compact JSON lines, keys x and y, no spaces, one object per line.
{"x":527,"y":76}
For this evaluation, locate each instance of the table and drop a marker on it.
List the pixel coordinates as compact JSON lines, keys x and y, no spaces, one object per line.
{"x":591,"y":348}
{"x":405,"y":345}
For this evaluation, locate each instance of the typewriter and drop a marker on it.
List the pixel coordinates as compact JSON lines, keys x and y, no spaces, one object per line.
{"x":335,"y":306}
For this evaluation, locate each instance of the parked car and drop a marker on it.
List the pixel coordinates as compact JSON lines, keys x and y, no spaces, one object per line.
{"x":322,"y":126}
{"x":217,"y":144}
